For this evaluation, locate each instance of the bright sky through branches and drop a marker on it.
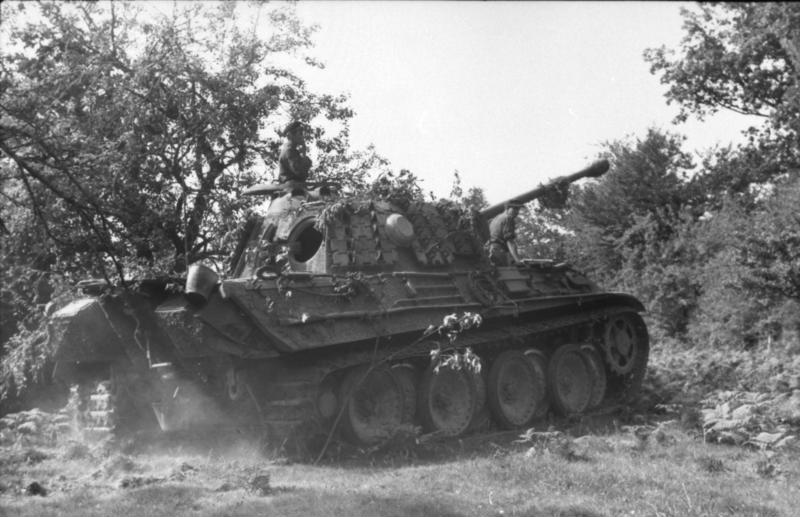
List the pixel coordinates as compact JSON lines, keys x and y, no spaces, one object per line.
{"x":507,"y":93}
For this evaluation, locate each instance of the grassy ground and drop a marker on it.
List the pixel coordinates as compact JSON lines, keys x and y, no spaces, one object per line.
{"x":590,"y":468}
{"x":610,"y":471}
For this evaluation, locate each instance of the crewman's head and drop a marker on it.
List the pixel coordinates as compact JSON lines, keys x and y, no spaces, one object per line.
{"x":513,"y":208}
{"x":294,"y":130}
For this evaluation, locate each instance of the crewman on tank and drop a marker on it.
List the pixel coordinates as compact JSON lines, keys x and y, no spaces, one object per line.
{"x":502,"y":245}
{"x":293,"y":163}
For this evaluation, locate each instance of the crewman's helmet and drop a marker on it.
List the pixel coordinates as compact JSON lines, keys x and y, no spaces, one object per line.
{"x":293,"y":127}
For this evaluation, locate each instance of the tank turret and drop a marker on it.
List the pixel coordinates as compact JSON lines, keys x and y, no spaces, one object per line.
{"x":328,"y":317}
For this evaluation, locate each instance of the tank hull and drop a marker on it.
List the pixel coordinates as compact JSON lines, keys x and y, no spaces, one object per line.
{"x":249,"y":358}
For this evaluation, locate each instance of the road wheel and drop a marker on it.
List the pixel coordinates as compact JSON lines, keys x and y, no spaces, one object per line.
{"x":517,"y":389}
{"x":540,"y":363}
{"x":482,"y":416}
{"x":447,"y":401}
{"x":570,"y":380}
{"x":407,"y":377}
{"x":374,"y":406}
{"x":598,"y":371}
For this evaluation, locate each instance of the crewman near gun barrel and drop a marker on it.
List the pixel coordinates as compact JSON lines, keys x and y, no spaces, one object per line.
{"x":502,"y":245}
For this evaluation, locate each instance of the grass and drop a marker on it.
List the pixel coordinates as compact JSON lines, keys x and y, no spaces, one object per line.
{"x":595,"y":467}
{"x":607,"y":473}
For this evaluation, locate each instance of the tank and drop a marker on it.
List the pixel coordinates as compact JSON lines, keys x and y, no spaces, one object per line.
{"x":355,"y":318}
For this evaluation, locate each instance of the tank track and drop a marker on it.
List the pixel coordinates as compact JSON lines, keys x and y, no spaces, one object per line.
{"x":101,"y":414}
{"x":103,"y":406}
{"x":91,"y":409}
{"x":289,"y":408}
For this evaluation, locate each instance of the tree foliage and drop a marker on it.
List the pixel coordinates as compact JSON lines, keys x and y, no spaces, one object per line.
{"x":127,"y":135}
{"x":130,"y":136}
{"x":711,"y":251}
{"x":743,"y":57}
{"x":643,"y":187}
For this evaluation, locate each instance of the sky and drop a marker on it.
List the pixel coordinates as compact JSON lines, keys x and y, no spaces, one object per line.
{"x":509,"y":94}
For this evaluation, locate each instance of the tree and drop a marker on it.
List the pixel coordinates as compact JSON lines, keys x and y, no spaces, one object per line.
{"x":751,"y":272}
{"x":742,"y":57}
{"x":632,"y":228}
{"x":129,"y":134}
{"x":645,"y":180}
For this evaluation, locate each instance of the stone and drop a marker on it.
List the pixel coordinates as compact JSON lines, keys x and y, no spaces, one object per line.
{"x":726,"y":425}
{"x":28,"y":428}
{"x":226,"y":487}
{"x":787,"y":442}
{"x":709,"y":416}
{"x":743,"y":412}
{"x":766,"y":439}
{"x":138,"y":481}
{"x":788,"y":407}
{"x":732,"y":437}
{"x":35,"y":488}
{"x":260,"y":484}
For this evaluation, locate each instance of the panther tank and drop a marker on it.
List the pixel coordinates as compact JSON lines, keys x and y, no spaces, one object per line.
{"x":357,"y":318}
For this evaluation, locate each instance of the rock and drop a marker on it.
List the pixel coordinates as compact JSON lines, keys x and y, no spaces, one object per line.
{"x":28,"y":428}
{"x":731,"y":437}
{"x":726,"y":425}
{"x":664,"y":437}
{"x":709,"y":415}
{"x":593,"y":443}
{"x":260,"y":484}
{"x":743,"y":412}
{"x":787,"y":442}
{"x":225,"y":487}
{"x":138,"y":481}
{"x":186,"y":467}
{"x":788,"y":407}
{"x":118,"y":463}
{"x":181,"y":472}
{"x":764,"y":440}
{"x":34,"y":456}
{"x":531,"y":435}
{"x":794,"y":382}
{"x":35,"y":489}
{"x":77,"y":451}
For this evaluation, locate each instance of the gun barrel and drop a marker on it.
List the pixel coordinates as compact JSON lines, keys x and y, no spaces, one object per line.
{"x":594,"y":170}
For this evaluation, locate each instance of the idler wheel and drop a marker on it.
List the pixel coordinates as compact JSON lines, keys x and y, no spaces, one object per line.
{"x":374,"y":406}
{"x":407,"y":377}
{"x":517,"y":389}
{"x":570,"y":380}
{"x":598,"y":370}
{"x":621,"y":343}
{"x":447,"y":401}
{"x":482,"y":415}
{"x":626,"y":347}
